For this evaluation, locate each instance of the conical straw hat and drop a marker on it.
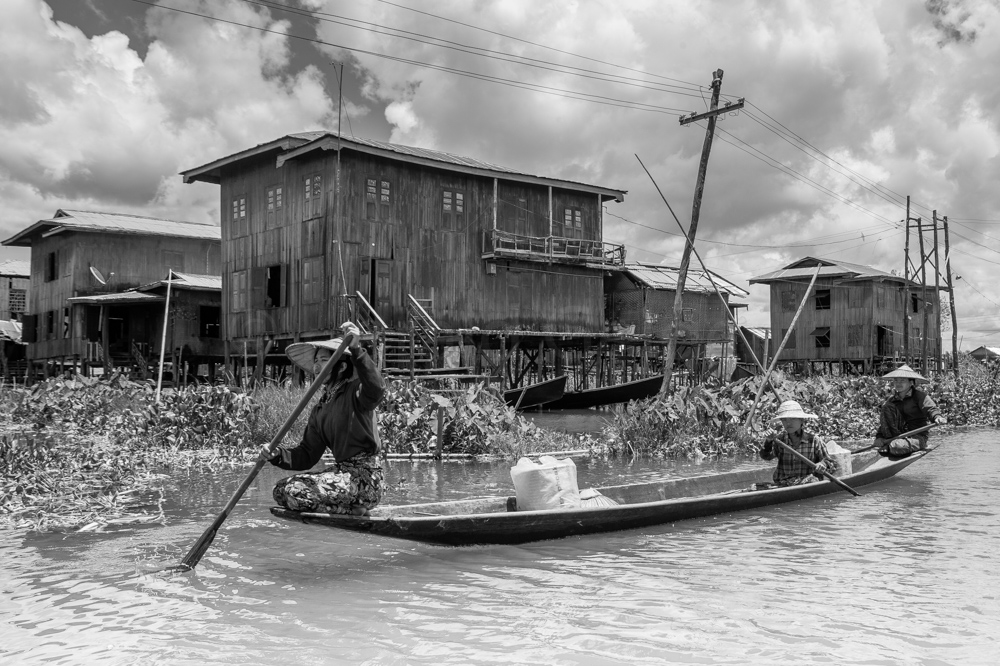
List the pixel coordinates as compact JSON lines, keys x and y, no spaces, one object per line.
{"x":303,"y":354}
{"x":791,"y":409}
{"x":904,"y":372}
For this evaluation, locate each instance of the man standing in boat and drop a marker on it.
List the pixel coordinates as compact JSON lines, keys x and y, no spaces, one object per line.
{"x":344,"y":423}
{"x":907,"y":409}
{"x":791,"y":470}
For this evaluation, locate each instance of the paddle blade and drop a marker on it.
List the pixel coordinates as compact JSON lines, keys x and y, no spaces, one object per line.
{"x":199,"y":548}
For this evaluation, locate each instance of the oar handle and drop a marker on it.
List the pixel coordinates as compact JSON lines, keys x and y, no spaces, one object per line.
{"x":812,"y":466}
{"x":915,"y":431}
{"x":201,"y":545}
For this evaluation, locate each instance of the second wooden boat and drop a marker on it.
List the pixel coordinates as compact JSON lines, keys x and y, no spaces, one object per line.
{"x":496,"y":520}
{"x":639,"y":389}
{"x":536,"y":395}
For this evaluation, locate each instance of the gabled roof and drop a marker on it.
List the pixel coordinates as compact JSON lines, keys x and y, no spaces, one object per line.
{"x":117,"y":223}
{"x":212,"y":172}
{"x":805,"y":267}
{"x":665,"y":277}
{"x":985,"y":352}
{"x":296,"y":145}
{"x":15,"y":268}
{"x":187,"y":281}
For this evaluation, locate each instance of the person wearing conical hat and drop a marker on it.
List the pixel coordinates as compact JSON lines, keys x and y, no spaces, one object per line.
{"x":908,"y":408}
{"x":792,"y":471}
{"x":343,"y":423}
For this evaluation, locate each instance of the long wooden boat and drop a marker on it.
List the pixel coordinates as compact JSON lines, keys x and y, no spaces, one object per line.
{"x":492,"y":520}
{"x":536,"y":395}
{"x":639,"y":389}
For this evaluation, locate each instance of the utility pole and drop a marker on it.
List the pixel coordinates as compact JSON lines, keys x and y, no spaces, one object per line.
{"x":937,"y":297}
{"x":923,"y":297}
{"x":711,"y":115}
{"x":906,"y":287}
{"x":951,"y":301}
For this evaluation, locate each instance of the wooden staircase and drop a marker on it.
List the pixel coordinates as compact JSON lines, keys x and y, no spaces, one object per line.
{"x":396,"y":353}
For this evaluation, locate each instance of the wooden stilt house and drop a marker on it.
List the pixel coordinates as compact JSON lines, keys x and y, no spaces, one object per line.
{"x":319,"y":228}
{"x":81,"y":253}
{"x":854,"y":317}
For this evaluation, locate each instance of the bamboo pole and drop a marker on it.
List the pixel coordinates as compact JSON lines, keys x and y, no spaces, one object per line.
{"x":163,"y":338}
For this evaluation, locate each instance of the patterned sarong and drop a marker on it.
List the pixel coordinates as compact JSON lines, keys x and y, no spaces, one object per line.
{"x":350,"y":487}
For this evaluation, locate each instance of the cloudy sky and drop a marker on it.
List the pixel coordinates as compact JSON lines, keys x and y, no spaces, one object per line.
{"x":850,"y":107}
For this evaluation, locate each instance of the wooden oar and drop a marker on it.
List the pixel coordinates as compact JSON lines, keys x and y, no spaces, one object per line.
{"x":915,"y":431}
{"x":194,"y":556}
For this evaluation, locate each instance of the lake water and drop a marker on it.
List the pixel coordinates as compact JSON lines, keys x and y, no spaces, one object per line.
{"x":905,"y":574}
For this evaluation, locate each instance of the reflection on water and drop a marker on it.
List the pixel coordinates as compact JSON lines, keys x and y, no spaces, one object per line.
{"x":903,"y":574}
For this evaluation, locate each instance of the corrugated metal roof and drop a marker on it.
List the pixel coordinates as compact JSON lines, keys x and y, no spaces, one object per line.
{"x":762,"y":333}
{"x":308,"y":141}
{"x":81,"y":220}
{"x":15,"y":268}
{"x":985,"y":351}
{"x":117,"y":298}
{"x":805,"y":267}
{"x":665,"y":277}
{"x":10,"y":330}
{"x":188,"y":281}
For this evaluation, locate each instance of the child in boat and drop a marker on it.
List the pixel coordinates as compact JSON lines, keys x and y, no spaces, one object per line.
{"x":344,"y":422}
{"x":907,"y":409}
{"x":791,"y":471}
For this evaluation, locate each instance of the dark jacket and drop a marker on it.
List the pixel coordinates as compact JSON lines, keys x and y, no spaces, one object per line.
{"x":901,"y":415}
{"x":344,"y":424}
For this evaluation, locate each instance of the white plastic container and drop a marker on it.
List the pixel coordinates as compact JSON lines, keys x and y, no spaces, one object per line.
{"x":547,"y":484}
{"x":842,"y":457}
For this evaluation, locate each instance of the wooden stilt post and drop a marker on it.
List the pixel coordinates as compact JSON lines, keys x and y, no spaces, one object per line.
{"x":951,"y":301}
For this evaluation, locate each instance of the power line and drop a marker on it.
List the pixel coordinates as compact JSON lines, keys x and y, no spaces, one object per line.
{"x":501,"y":56}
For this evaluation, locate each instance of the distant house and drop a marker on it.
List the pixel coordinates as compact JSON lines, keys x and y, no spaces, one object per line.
{"x":854,"y":316}
{"x":402,"y":229}
{"x":641,"y":299}
{"x":80,"y":253}
{"x":760,"y":343}
{"x":990,"y":354}
{"x":14,"y":280}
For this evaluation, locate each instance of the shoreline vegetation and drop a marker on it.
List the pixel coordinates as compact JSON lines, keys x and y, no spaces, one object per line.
{"x":86,"y":454}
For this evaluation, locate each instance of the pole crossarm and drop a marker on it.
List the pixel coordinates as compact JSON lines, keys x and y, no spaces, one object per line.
{"x":729,"y":106}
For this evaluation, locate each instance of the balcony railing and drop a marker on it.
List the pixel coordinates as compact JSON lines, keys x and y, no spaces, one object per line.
{"x":497,"y":243}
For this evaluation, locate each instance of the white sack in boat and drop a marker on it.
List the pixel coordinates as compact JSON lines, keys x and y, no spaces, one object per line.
{"x":547,"y":484}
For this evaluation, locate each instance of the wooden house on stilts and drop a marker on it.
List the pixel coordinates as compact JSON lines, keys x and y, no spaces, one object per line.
{"x":424,"y":249}
{"x":854,"y":318}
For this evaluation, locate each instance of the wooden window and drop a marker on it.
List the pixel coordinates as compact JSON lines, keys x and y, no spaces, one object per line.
{"x":855,"y":335}
{"x":371,"y":198}
{"x":453,"y":209}
{"x":791,"y":341}
{"x":29,"y":329}
{"x":313,"y":193}
{"x":312,"y":280}
{"x":914,"y":303}
{"x":209,"y":321}
{"x":521,"y":214}
{"x":275,"y":287}
{"x":384,"y":198}
{"x":50,"y":324}
{"x":822,"y":299}
{"x":880,"y":297}
{"x":51,"y":266}
{"x":238,"y":291}
{"x":275,"y":205}
{"x":573,"y":223}
{"x":855,"y":297}
{"x":67,"y":323}
{"x":17,"y":300}
{"x":789,"y":302}
{"x":822,"y":337}
{"x":687,"y":314}
{"x":238,"y":221}
{"x":173,"y":261}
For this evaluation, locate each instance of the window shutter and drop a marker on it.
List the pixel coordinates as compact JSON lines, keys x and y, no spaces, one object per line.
{"x":258,"y":280}
{"x":29,"y":328}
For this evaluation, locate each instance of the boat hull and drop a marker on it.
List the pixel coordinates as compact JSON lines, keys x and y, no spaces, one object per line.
{"x":609,"y":395}
{"x":536,"y":395}
{"x":488,"y":521}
